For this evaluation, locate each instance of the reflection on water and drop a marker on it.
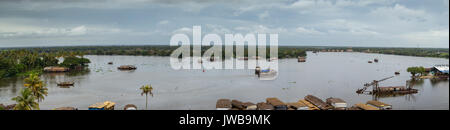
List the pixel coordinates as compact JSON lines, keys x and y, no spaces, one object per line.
{"x":323,"y":75}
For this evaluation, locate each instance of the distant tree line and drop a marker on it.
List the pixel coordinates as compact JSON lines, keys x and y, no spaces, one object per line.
{"x":25,"y":61}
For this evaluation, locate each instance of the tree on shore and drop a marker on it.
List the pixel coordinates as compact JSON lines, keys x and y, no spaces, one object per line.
{"x":26,"y":100}
{"x":36,"y":86}
{"x":146,"y":89}
{"x":416,"y":70}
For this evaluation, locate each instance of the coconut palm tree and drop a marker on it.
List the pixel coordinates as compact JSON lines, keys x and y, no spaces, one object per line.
{"x":146,"y":89}
{"x":26,"y":100}
{"x":36,"y":86}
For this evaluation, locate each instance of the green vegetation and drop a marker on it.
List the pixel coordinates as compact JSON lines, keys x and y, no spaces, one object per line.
{"x":72,"y":62}
{"x":416,"y":70}
{"x":22,"y":62}
{"x":35,"y":84}
{"x":146,"y":89}
{"x":26,"y":100}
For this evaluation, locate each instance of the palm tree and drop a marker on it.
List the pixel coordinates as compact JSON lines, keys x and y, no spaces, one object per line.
{"x":146,"y":89}
{"x":26,"y":100}
{"x":37,"y":87}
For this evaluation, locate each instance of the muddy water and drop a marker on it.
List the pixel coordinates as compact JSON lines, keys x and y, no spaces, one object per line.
{"x":323,"y":75}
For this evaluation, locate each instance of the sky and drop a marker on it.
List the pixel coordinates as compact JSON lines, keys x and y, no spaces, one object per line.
{"x":365,"y":23}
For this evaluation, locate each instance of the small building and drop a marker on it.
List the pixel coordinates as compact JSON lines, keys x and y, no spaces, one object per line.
{"x":337,"y":102}
{"x":55,"y":69}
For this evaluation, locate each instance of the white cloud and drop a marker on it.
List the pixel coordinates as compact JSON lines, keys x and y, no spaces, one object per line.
{"x":311,"y":31}
{"x":436,"y":37}
{"x":163,"y":22}
{"x":263,"y":15}
{"x":400,"y":12}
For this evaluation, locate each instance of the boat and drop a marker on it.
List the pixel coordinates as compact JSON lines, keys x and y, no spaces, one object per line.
{"x":376,"y":60}
{"x":108,"y":105}
{"x":110,"y":63}
{"x":127,"y":67}
{"x":369,"y":61}
{"x":65,"y":84}
{"x":397,"y":73}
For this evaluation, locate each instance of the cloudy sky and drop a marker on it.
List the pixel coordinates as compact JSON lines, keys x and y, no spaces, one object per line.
{"x":378,"y":23}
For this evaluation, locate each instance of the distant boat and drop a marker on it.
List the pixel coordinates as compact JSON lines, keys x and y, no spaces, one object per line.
{"x":110,"y":63}
{"x":65,"y":84}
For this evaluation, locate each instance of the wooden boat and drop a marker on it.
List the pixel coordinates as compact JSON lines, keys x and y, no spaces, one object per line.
{"x":65,"y":84}
{"x":127,"y":67}
{"x":108,"y":105}
{"x":369,"y":61}
{"x":376,"y":60}
{"x":110,"y":63}
{"x":397,"y":73}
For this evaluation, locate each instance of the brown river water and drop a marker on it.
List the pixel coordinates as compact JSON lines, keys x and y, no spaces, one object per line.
{"x":324,"y":75}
